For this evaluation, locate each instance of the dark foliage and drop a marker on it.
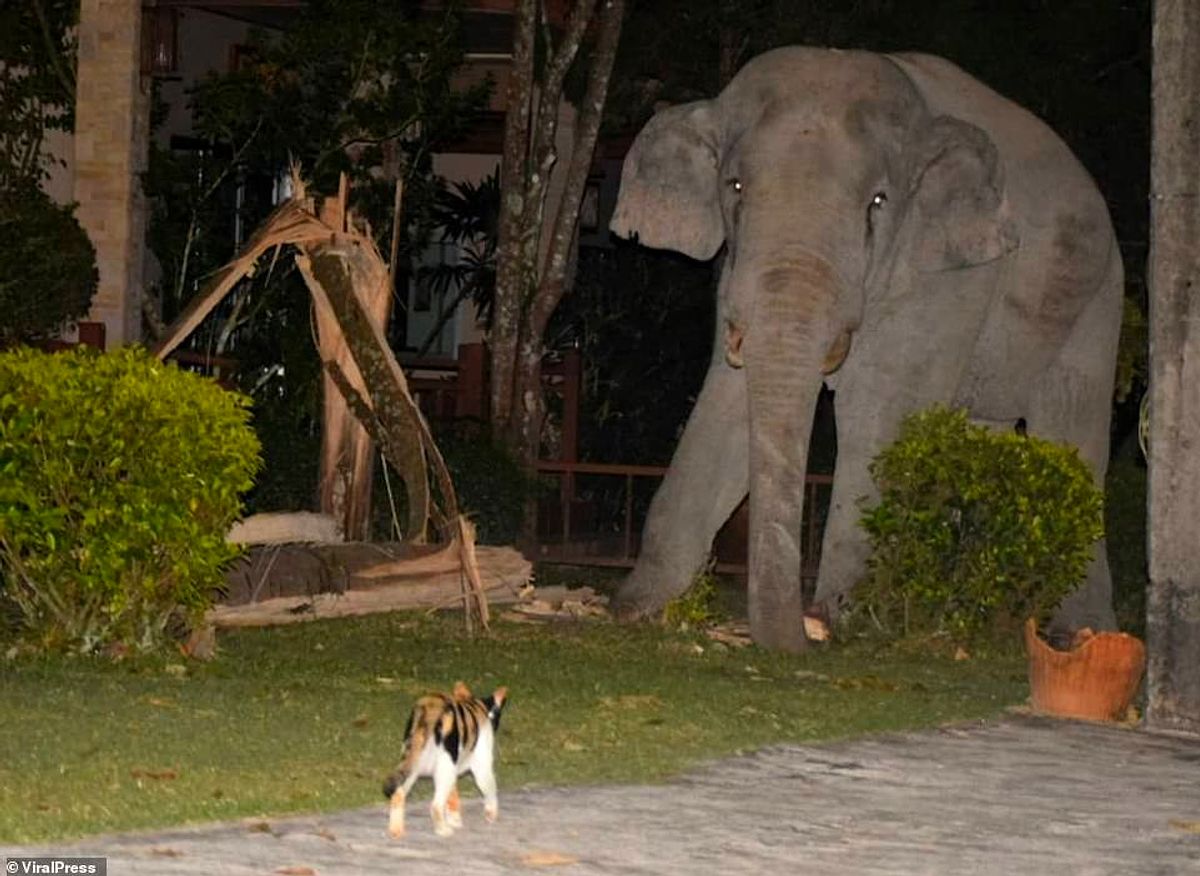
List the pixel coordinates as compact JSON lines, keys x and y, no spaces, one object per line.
{"x":47,"y":266}
{"x":644,"y":322}
{"x":37,"y":83}
{"x":492,"y":486}
{"x":466,"y":214}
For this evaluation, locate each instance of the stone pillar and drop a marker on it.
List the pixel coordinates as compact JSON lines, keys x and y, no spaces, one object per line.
{"x":1173,"y":600}
{"x":111,"y":140}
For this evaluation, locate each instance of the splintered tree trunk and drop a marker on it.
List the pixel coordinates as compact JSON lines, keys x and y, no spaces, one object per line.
{"x":1173,"y":606}
{"x":335,"y":270}
{"x":346,"y":277}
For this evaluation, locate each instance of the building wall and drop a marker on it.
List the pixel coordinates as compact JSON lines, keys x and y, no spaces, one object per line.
{"x":60,"y":184}
{"x":206,"y":44}
{"x":111,"y":121}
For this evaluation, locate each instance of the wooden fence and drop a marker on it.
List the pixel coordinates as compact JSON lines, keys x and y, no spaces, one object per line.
{"x":605,"y":539}
{"x":595,"y":516}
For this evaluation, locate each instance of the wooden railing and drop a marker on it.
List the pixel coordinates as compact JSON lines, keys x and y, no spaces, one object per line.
{"x":222,"y":369}
{"x":564,"y":539}
{"x":88,"y":334}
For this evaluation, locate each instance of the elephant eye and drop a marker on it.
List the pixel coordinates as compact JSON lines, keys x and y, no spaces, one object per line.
{"x":877,"y":202}
{"x":735,"y":184}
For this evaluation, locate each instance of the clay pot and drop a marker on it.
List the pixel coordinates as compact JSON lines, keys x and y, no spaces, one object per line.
{"x":1095,"y":679}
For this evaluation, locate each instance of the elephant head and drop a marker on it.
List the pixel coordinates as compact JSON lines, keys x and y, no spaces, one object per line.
{"x":832,"y":188}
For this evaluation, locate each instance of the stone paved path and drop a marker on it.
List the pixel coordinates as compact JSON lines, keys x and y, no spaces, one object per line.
{"x":1020,"y":796}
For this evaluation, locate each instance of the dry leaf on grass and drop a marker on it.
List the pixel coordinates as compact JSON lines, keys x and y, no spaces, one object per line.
{"x":631,"y":701}
{"x":547,"y":859}
{"x":1185,"y":826}
{"x":165,"y":775}
{"x":733,"y":635}
{"x":864,"y":682}
{"x":296,"y":871}
{"x":165,"y":852}
{"x":809,"y":675}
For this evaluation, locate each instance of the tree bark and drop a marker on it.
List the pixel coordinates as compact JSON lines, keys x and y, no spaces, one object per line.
{"x":553,"y":273}
{"x":1173,"y":604}
{"x":512,"y":270}
{"x":328,"y":270}
{"x":534,"y":254}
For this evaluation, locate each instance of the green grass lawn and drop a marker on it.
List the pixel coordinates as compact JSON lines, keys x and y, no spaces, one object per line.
{"x":310,"y":717}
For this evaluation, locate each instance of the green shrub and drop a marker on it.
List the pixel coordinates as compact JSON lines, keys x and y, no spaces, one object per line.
{"x":696,"y":607}
{"x":119,"y":477}
{"x":491,"y":485}
{"x":47,"y":266}
{"x":975,"y":529}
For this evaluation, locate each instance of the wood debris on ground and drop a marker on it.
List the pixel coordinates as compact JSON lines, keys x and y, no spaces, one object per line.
{"x":540,"y":604}
{"x":734,"y":634}
{"x":421,"y":578}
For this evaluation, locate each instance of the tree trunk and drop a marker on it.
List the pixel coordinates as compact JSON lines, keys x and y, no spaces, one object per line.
{"x":1173,"y":606}
{"x":533,"y":257}
{"x":553,"y":276}
{"x":512,"y":270}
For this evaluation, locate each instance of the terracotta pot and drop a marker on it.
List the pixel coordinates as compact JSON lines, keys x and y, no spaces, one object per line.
{"x":1095,"y":679}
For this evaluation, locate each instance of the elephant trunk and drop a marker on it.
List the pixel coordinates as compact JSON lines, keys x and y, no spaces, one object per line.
{"x":785,"y":347}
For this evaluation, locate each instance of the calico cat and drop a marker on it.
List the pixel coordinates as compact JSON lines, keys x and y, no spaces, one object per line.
{"x":447,"y":735}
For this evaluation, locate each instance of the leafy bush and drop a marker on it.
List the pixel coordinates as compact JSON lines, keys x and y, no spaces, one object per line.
{"x":975,"y":528}
{"x":696,"y":607}
{"x":491,"y":485}
{"x":47,"y":266}
{"x":119,"y":477}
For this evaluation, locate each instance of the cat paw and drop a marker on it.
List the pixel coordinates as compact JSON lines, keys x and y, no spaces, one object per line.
{"x":491,"y":813}
{"x":454,"y":819}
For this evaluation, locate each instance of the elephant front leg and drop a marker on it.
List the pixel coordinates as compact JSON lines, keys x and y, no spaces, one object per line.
{"x":707,"y":480}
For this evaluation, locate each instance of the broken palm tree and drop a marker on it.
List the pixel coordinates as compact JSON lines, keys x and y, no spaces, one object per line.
{"x":350,"y":287}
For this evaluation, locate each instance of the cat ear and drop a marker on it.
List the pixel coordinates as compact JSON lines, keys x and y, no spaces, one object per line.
{"x":461,"y":691}
{"x":500,"y":695}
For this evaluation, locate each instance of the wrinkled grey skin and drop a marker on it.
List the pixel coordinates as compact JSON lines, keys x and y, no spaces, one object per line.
{"x":986,"y":276}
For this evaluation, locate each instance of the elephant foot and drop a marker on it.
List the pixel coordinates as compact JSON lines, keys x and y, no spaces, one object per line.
{"x":627,"y":607}
{"x":829,"y":608}
{"x":646,"y":592}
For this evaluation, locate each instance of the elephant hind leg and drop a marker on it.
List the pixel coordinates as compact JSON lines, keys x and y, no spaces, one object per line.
{"x":708,"y":478}
{"x":1072,"y":402}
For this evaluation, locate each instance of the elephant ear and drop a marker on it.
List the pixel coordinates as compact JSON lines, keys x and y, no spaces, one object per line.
{"x":958,"y":198}
{"x":669,"y":193}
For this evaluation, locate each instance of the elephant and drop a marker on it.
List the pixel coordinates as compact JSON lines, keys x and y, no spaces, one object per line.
{"x":896,"y":230}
